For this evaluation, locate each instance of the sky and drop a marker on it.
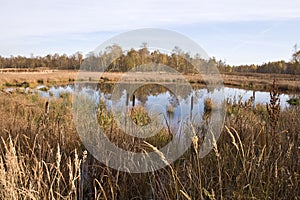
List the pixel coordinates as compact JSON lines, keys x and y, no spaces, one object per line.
{"x":235,"y":31}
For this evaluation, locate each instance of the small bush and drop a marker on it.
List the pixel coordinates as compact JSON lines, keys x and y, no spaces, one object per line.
{"x":23,"y":84}
{"x":192,"y":81}
{"x":208,"y":105}
{"x":139,"y":116}
{"x":44,"y":89}
{"x":7,"y":84}
{"x":294,"y":101}
{"x":40,"y":81}
{"x":170,"y":109}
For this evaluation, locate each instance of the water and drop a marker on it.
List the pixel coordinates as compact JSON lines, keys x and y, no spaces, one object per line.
{"x":166,"y":98}
{"x":54,"y":91}
{"x":169,"y":106}
{"x":162,"y":97}
{"x":158,"y":99}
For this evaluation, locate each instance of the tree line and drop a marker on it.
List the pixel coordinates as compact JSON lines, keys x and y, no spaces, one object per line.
{"x":55,"y":61}
{"x":277,"y":67}
{"x":115,"y":59}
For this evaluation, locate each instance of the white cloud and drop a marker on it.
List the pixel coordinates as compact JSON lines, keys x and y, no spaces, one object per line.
{"x":41,"y":17}
{"x":36,"y":24}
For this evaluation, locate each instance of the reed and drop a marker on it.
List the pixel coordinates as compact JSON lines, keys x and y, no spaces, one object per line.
{"x":42,"y":157}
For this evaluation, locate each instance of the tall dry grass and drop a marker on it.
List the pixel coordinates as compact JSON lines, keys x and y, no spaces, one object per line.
{"x":43,"y":158}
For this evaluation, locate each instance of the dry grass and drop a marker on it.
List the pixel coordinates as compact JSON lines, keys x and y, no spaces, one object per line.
{"x":260,"y":81}
{"x":256,"y":81}
{"x":54,"y":76}
{"x":43,"y":158}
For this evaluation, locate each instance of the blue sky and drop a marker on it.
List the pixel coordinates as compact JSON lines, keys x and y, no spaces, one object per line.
{"x":239,"y":32}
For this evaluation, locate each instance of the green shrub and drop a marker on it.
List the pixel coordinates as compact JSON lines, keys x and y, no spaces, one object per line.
{"x":294,"y":101}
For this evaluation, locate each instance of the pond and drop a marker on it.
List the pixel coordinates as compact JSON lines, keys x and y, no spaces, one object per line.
{"x":173,"y":106}
{"x":149,"y":96}
{"x":159,"y":99}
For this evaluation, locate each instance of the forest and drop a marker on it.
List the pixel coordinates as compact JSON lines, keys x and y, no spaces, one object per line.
{"x":119,"y":60}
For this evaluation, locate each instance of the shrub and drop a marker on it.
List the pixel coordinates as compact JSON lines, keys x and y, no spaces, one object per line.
{"x":294,"y":101}
{"x":40,"y":81}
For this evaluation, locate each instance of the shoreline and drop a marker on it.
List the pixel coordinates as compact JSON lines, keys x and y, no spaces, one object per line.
{"x":250,"y":81}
